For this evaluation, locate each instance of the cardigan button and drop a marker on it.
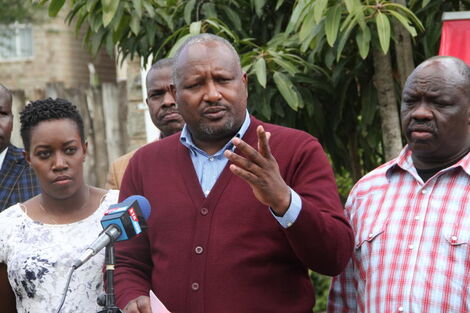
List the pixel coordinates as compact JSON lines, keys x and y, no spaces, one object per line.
{"x":199,"y":250}
{"x":195,"y":286}
{"x":204,"y":211}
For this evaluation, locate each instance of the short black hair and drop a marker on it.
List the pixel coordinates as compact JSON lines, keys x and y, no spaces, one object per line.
{"x":48,"y":109}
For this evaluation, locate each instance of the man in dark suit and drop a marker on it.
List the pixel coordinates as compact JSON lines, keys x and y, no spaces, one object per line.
{"x":18,"y":182}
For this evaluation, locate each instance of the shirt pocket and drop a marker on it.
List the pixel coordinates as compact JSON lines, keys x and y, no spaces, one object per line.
{"x":457,"y":236}
{"x":369,"y":245}
{"x":370,"y":232}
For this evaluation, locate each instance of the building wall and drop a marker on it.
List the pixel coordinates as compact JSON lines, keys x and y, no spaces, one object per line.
{"x":58,"y":56}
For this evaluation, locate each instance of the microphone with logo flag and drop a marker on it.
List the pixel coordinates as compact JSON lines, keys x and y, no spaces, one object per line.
{"x":121,"y":221}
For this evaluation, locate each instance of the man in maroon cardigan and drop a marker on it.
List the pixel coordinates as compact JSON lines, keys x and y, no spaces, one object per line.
{"x":241,"y":209}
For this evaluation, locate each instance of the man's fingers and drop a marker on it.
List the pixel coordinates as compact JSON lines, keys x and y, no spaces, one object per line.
{"x":248,"y":151}
{"x":242,"y":162}
{"x":138,"y":305}
{"x":249,"y":177}
{"x":263,"y":142}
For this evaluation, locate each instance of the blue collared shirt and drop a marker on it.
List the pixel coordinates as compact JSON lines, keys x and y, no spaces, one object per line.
{"x":209,"y":167}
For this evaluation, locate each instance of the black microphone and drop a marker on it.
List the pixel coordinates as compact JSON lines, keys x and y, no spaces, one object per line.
{"x":121,"y":221}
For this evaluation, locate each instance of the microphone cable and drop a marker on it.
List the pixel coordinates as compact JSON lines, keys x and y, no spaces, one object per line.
{"x":64,"y":293}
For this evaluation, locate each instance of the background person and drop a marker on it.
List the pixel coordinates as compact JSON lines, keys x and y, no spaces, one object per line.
{"x":162,"y":110}
{"x":41,"y":237}
{"x":219,"y":242}
{"x":411,"y":214}
{"x":18,"y":182}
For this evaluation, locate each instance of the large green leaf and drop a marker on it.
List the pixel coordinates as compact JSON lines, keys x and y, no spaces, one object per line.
{"x":307,"y":26}
{"x":363,"y":41}
{"x":287,"y":90}
{"x":149,"y":9}
{"x":320,"y":6}
{"x":383,"y":30}
{"x":286,"y":65}
{"x":135,"y":24}
{"x":345,"y":36}
{"x":295,"y":17}
{"x":405,"y":22}
{"x":208,"y":9}
{"x":95,"y":22}
{"x":260,"y":69}
{"x":412,"y":17}
{"x":91,"y":4}
{"x":138,"y":6}
{"x":97,"y":41}
{"x":219,"y":25}
{"x":352,"y":5}
{"x":109,"y":9}
{"x":195,"y":28}
{"x":123,"y":25}
{"x":333,"y":19}
{"x":188,"y":9}
{"x":54,"y":7}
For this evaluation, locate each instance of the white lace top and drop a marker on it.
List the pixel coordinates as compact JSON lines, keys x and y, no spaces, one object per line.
{"x":38,"y":257}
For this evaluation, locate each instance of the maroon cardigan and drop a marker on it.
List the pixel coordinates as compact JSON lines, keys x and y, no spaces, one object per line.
{"x":226,"y":252}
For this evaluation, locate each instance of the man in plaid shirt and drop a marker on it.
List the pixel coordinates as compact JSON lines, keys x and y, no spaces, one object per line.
{"x":18,"y":182}
{"x":411,"y":216}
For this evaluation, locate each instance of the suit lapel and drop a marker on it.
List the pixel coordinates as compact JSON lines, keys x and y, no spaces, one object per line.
{"x":10,"y":174}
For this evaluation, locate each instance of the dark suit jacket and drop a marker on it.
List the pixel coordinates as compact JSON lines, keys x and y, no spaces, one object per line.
{"x":18,"y":182}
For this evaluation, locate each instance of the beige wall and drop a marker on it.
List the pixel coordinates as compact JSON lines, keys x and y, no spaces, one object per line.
{"x":58,"y":57}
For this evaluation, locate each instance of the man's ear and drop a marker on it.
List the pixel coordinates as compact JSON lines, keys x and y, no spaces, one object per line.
{"x":245,"y":79}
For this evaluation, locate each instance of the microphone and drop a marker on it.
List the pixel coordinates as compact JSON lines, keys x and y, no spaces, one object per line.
{"x":121,"y":221}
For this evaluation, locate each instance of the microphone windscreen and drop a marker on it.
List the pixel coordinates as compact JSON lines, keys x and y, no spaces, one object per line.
{"x":144,"y":204}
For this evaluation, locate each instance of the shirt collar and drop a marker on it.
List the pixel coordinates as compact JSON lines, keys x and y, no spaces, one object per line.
{"x":405,"y":162}
{"x":187,"y":140}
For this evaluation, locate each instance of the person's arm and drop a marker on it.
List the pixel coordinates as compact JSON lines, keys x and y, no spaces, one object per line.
{"x":343,"y":292}
{"x":7,"y":298}
{"x":132,"y":278}
{"x":320,"y":236}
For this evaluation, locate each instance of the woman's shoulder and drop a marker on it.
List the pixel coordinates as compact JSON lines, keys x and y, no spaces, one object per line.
{"x":11,"y":216}
{"x":12,"y":224}
{"x":110,"y":197}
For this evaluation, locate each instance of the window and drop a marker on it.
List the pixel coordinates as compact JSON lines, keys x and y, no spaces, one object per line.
{"x":16,"y":42}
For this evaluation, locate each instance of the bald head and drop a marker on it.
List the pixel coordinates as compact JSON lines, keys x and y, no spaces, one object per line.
{"x":454,"y":69}
{"x":203,"y":39}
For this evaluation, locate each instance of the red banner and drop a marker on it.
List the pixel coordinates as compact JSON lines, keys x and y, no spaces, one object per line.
{"x":455,"y":39}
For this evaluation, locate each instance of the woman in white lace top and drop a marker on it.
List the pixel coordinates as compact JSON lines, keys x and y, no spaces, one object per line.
{"x":40,"y":238}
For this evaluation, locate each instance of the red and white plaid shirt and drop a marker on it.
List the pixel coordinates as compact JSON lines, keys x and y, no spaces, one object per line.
{"x":412,"y":242}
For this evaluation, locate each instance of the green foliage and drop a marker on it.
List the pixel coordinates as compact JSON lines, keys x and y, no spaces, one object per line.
{"x":322,"y":287}
{"x":344,"y":18}
{"x":17,"y":11}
